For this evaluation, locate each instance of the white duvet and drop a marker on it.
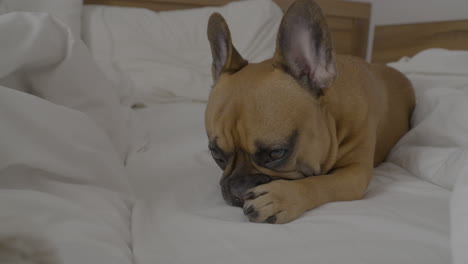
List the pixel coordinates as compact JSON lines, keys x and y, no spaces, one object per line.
{"x":62,"y":178}
{"x":436,"y":149}
{"x":62,"y":182}
{"x":61,"y":172}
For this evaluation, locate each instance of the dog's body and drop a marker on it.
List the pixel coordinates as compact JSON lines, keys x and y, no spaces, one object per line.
{"x":304,"y":128}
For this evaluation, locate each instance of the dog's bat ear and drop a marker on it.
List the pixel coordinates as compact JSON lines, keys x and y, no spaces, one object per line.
{"x":226,"y":59}
{"x":304,"y":46}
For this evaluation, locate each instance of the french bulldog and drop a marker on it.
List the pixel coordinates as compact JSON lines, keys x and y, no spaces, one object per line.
{"x":303,"y":128}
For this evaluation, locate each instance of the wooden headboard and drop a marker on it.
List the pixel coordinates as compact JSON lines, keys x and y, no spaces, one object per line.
{"x":348,"y":21}
{"x":396,"y":41}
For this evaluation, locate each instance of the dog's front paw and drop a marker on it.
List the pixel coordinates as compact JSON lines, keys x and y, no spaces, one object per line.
{"x":277,"y":202}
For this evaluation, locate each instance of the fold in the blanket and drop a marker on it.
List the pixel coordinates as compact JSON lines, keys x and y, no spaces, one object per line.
{"x":59,"y":68}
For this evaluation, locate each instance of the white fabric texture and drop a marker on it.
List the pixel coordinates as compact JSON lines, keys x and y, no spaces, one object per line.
{"x":61,"y":179}
{"x":181,"y":216}
{"x":459,"y":219}
{"x":58,"y":67}
{"x":167,"y":54}
{"x":104,"y":54}
{"x":436,"y":149}
{"x":67,"y":11}
{"x":58,"y":166}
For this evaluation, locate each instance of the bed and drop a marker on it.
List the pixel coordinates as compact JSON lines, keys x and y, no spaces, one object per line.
{"x":165,"y":205}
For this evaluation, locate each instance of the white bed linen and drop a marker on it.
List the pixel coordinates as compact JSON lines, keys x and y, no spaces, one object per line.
{"x":67,"y":11}
{"x":436,"y":149}
{"x":71,"y":181}
{"x":58,"y":67}
{"x":61,"y":180}
{"x":61,"y":176}
{"x":459,"y":220}
{"x":182,"y":217}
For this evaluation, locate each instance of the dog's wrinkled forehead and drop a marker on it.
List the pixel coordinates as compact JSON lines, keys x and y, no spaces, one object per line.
{"x":257,"y":104}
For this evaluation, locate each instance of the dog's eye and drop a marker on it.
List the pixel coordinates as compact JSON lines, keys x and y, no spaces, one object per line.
{"x":218,"y":157}
{"x":277,"y":154}
{"x":216,"y":154}
{"x":221,"y":163}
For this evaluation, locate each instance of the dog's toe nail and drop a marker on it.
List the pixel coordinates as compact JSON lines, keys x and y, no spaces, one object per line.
{"x":271,"y":219}
{"x":251,"y":213}
{"x":248,"y":210}
{"x":249,"y":196}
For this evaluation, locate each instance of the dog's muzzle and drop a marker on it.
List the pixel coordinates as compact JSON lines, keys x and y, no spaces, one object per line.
{"x":234,"y":186}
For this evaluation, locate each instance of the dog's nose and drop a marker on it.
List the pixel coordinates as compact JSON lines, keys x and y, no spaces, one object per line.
{"x":238,"y":202}
{"x":239,"y":185}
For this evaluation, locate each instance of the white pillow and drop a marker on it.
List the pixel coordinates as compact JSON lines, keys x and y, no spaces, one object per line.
{"x":167,"y":54}
{"x":436,"y":148}
{"x":67,"y":11}
{"x":61,"y":180}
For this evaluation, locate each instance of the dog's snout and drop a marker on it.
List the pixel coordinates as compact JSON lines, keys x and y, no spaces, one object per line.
{"x":262,"y":179}
{"x":235,"y":187}
{"x":240,"y":185}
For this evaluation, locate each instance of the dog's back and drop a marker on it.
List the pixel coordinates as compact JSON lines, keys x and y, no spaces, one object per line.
{"x":400,"y":102}
{"x":375,"y":92}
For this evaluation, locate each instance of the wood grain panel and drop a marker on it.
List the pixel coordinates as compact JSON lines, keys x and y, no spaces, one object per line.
{"x":361,"y":28}
{"x":338,"y":23}
{"x":330,"y":7}
{"x":393,"y":42}
{"x":337,"y":8}
{"x":159,"y":5}
{"x":342,"y":41}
